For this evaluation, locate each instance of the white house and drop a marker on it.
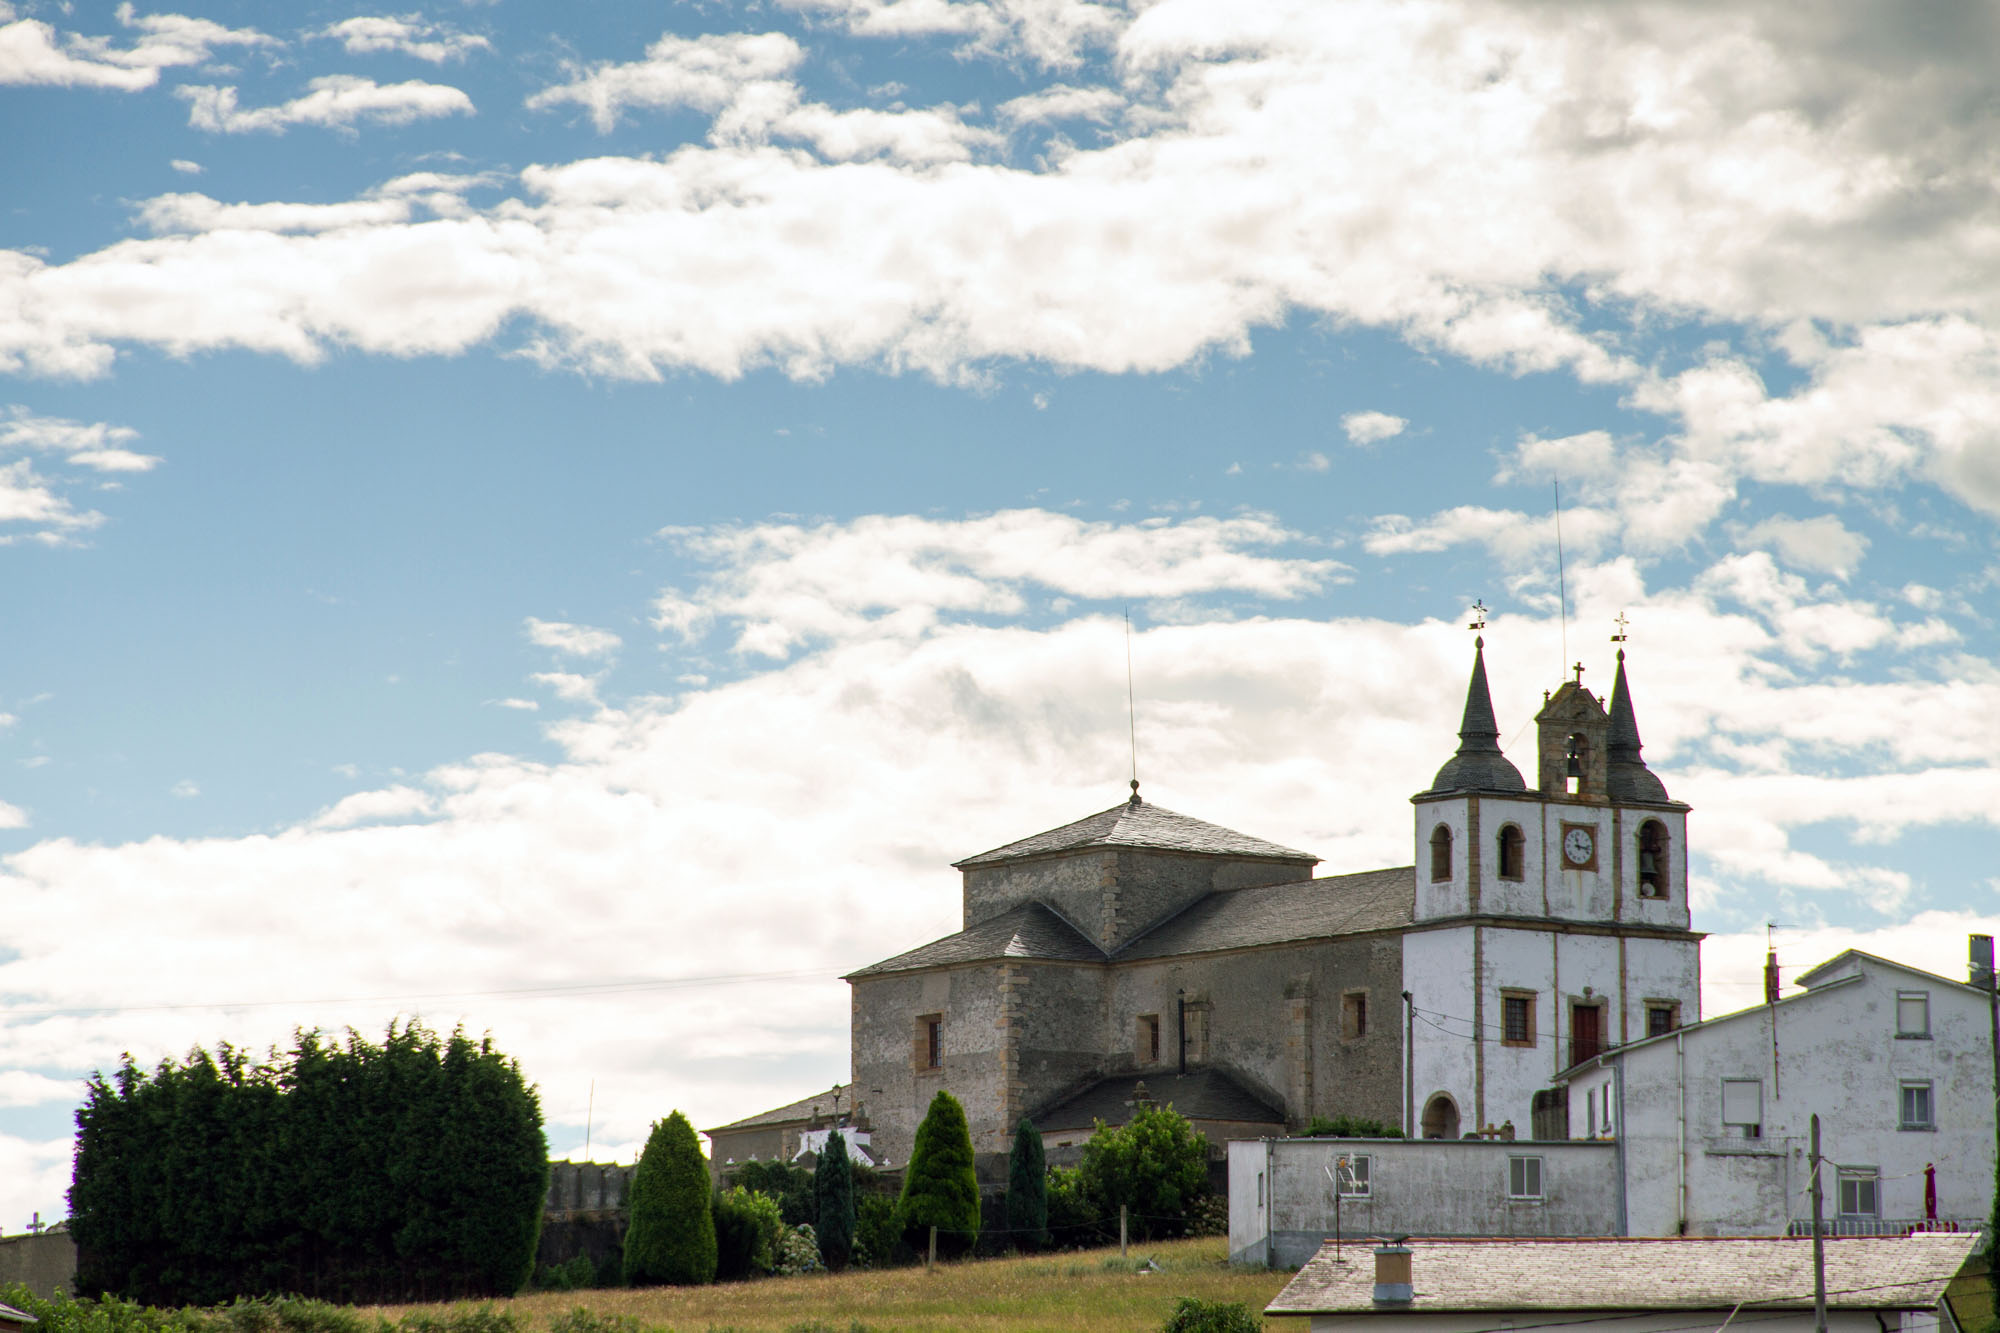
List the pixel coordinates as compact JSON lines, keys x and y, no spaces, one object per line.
{"x":1876,"y":1284}
{"x":1713,"y":1120}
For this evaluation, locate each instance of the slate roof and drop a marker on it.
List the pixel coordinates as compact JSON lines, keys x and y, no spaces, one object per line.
{"x":1282,"y":913}
{"x":1204,"y":1094}
{"x":1666,"y":1273}
{"x":1627,"y":777}
{"x":802,"y":1109}
{"x":1031,"y":930}
{"x":1137,"y":823}
{"x":1478,"y":765}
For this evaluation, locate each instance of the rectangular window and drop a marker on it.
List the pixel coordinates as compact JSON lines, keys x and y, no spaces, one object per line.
{"x":1354,"y":1014}
{"x":928,"y":1050}
{"x":1517,"y":1018}
{"x":1913,"y":1013}
{"x":1859,"y":1192}
{"x":1352,"y":1172}
{"x":1916,"y":1105}
{"x":1661,"y":1018}
{"x":1743,"y":1105}
{"x":1149,"y":1039}
{"x":1524,"y":1177}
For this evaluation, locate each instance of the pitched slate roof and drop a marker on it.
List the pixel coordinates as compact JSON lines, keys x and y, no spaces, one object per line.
{"x":1204,"y":1094}
{"x":1666,"y":1273}
{"x":1283,"y":913}
{"x":1137,"y":823}
{"x":1028,"y":931}
{"x":802,"y":1109}
{"x":1628,"y":778}
{"x":1478,"y":765}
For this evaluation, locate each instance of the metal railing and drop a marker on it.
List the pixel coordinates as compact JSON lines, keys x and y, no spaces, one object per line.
{"x":1881,"y":1226}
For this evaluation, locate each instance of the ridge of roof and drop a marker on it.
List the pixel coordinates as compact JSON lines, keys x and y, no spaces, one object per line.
{"x":1031,"y":930}
{"x":1267,"y":914}
{"x":1806,"y":978}
{"x":802,"y":1109}
{"x":1137,"y":823}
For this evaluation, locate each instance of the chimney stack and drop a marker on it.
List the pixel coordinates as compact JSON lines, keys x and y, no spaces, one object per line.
{"x":1392,"y":1275}
{"x":1771,"y":987}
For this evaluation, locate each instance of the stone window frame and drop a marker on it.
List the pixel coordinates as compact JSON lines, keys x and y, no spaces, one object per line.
{"x":1512,"y":852}
{"x":1354,"y":1014}
{"x":927,"y":1044}
{"x":1146,"y":1039}
{"x":1441,"y":841}
{"x":1526,"y":999}
{"x":1671,"y":1008}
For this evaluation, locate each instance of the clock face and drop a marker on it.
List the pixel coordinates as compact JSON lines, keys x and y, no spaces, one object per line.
{"x":1578,"y":846}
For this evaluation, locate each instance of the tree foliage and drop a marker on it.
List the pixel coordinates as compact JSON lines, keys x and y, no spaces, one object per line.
{"x":791,"y":1186}
{"x":1350,"y":1127}
{"x":1155,"y":1165}
{"x":1028,"y":1188}
{"x":833,"y":1185}
{"x":412,"y":1170}
{"x":939,"y":1187}
{"x":670,"y":1237}
{"x":748,"y":1233}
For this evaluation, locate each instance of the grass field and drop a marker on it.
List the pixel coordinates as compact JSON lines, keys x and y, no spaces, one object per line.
{"x":1076,"y":1292}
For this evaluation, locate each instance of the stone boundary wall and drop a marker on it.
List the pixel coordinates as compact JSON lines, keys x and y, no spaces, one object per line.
{"x":41,"y":1262}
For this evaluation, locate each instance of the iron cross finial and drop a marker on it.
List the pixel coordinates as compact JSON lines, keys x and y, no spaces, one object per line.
{"x":1620,"y":622}
{"x":1578,"y":668}
{"x":1478,"y":615}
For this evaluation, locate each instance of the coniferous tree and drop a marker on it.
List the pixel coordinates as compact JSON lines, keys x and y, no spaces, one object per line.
{"x":1028,"y":1188}
{"x":670,"y":1236}
{"x":939,"y":1187}
{"x":833,"y":1184}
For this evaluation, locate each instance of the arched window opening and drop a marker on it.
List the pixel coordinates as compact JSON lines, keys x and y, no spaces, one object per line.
{"x":1440,"y":853}
{"x":1576,"y":763}
{"x":1652,"y":859}
{"x":1441,"y":1118}
{"x":1513,"y":852}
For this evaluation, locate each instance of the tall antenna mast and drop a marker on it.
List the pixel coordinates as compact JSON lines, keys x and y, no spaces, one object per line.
{"x":1562,"y":585}
{"x":1131,"y":704}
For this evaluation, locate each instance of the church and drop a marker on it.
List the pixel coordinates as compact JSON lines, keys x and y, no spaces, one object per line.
{"x":1139,"y":955}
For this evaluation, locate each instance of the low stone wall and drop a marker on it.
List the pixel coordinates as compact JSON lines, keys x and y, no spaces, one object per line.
{"x":42,"y":1262}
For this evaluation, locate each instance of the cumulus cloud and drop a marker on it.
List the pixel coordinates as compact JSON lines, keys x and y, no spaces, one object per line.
{"x":95,"y":445}
{"x":705,"y":73}
{"x":12,"y":816}
{"x":574,"y":640}
{"x":1062,"y":102}
{"x":31,"y":501}
{"x":34,"y":52}
{"x":185,"y":167}
{"x":409,"y":35}
{"x":389,"y":803}
{"x":1822,"y":545}
{"x":1372,"y":427}
{"x":1057,"y":33}
{"x":336,"y":101}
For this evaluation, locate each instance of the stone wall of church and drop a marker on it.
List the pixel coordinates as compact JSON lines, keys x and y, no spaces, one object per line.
{"x":887,"y":1050}
{"x":1114,"y":894}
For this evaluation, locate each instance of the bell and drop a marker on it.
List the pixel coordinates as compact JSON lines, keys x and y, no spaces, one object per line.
{"x":1575,"y":760}
{"x":1648,"y":863}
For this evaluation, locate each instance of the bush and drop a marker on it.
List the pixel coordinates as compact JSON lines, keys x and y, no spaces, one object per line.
{"x":1027,"y":1189}
{"x":576,"y":1274}
{"x":748,"y":1231}
{"x":791,"y":1186}
{"x":1074,"y":1219}
{"x":582,"y":1319}
{"x":798,"y":1252}
{"x":1198,"y":1316}
{"x":671,"y":1235}
{"x":833,"y":1183}
{"x":939,"y":1187}
{"x":878,"y":1234}
{"x":1350,"y":1127}
{"x":1155,"y":1165}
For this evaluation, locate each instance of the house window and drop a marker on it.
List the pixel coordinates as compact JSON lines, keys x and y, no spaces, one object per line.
{"x":1662,"y":1017}
{"x":1440,"y":853}
{"x":928,"y":1051}
{"x":1860,"y":1195}
{"x":1916,"y":1105}
{"x":1652,"y":859}
{"x":1354,"y":1014}
{"x":1148,"y":1049}
{"x":1743,"y":1106}
{"x":1513,"y":852}
{"x":1517,"y":1018}
{"x":1524,"y":1177}
{"x":1352,"y":1173}
{"x":1913,"y":1013}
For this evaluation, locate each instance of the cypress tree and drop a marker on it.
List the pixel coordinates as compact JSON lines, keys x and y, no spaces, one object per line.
{"x":939,"y":1187}
{"x":671,"y":1235}
{"x":1028,"y":1188}
{"x":833,"y":1184}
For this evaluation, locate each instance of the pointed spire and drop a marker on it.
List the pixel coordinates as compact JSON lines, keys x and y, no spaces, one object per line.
{"x":1624,"y":726}
{"x":1478,"y":765}
{"x":1628,"y":778}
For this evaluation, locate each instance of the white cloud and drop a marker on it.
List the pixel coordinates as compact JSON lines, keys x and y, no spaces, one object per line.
{"x":21,"y":1088}
{"x":1062,"y":102}
{"x":185,"y":167}
{"x":409,"y":35}
{"x":95,"y":445}
{"x":705,"y":73}
{"x":1057,"y":33}
{"x":390,"y":803}
{"x":12,"y":816}
{"x":1823,"y":545}
{"x":33,"y":52}
{"x":575,"y":640}
{"x":30,"y":499}
{"x":337,"y":101}
{"x":569,"y":686}
{"x":1372,"y":427}
{"x":186,"y":789}
{"x":519,"y":705}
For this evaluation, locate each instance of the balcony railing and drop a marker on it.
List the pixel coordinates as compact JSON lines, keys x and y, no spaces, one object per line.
{"x":1882,"y":1226}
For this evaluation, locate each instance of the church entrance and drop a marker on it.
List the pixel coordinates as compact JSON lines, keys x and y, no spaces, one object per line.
{"x":1441,"y":1118}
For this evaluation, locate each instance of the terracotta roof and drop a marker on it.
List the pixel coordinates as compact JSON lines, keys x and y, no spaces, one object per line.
{"x":1031,"y":930}
{"x":1668,"y":1273}
{"x":1137,"y":823}
{"x":1204,"y":1094}
{"x":802,"y":1109}
{"x":1283,"y":913}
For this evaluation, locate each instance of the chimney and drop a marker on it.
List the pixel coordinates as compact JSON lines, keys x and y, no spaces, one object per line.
{"x":1771,"y":977}
{"x":1392,"y":1275}
{"x":1981,"y":963}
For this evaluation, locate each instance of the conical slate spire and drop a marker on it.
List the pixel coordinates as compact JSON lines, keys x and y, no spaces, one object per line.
{"x":1478,"y":765}
{"x":1628,"y":778}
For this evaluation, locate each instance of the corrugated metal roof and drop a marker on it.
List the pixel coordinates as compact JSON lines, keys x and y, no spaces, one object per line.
{"x":1137,"y":823}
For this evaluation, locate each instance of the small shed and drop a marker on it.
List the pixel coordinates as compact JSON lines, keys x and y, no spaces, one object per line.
{"x":15,"y":1321}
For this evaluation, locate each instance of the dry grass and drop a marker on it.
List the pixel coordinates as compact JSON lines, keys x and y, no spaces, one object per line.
{"x":1077,"y":1292}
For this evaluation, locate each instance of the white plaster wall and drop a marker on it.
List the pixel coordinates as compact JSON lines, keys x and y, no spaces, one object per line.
{"x":1671,"y":910}
{"x":1578,"y":895}
{"x":1437,"y":970}
{"x":1499,"y":896}
{"x":1444,"y":897}
{"x":1658,"y":969}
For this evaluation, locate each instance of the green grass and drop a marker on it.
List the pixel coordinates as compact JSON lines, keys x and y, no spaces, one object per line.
{"x":1060,"y":1293}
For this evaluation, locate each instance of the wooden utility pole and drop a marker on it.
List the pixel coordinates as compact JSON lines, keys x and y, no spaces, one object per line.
{"x":1819,"y":1241}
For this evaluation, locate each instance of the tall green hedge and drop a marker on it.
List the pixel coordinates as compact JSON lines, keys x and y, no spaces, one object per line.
{"x":1028,"y":1188}
{"x":412,"y":1170}
{"x":833,"y":1184}
{"x":939,"y":1187}
{"x":671,"y":1234}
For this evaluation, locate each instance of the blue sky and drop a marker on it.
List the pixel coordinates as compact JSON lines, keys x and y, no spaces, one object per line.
{"x":498,"y":499}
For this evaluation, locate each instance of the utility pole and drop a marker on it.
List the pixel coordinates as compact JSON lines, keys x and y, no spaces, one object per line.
{"x":1819,"y":1242}
{"x":1410,"y":1068}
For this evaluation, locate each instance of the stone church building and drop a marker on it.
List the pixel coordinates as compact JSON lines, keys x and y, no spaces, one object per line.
{"x":1143,"y":955}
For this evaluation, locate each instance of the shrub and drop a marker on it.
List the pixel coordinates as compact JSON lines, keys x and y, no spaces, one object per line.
{"x":582,"y":1319}
{"x":939,"y":1187}
{"x":798,"y":1252}
{"x":671,"y":1235}
{"x":1197,"y":1316}
{"x":748,"y":1231}
{"x":791,"y":1186}
{"x":1155,"y":1165}
{"x":575,"y":1274}
{"x":878,"y":1234}
{"x":1074,"y":1219}
{"x":1350,"y":1127}
{"x":1027,"y":1189}
{"x":833,"y":1183}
